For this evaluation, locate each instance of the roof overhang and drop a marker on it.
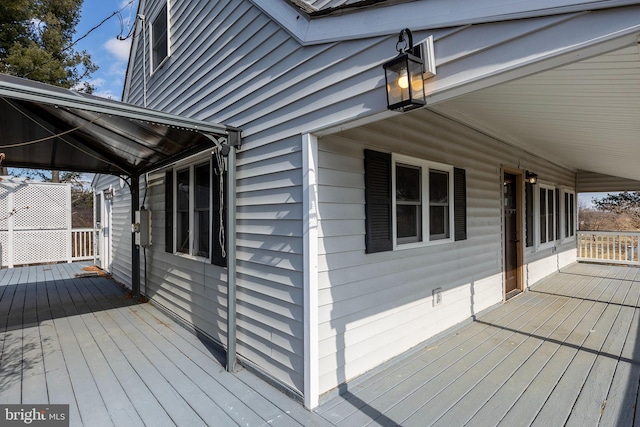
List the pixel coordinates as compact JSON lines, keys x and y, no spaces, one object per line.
{"x":370,"y":18}
{"x":46,"y":127}
{"x":565,"y":88}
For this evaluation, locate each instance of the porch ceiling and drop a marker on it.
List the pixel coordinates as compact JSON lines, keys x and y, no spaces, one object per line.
{"x":46,"y":127}
{"x":583,"y":115}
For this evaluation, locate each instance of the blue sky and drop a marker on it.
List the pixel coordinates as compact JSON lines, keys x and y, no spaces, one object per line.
{"x":109,"y":53}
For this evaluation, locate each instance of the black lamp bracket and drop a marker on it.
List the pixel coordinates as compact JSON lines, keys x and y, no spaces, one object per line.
{"x":405,"y":44}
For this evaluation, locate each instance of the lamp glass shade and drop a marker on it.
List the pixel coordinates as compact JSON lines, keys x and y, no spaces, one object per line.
{"x":405,"y":84}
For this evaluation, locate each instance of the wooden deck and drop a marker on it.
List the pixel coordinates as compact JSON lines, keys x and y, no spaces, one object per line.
{"x":80,"y":341}
{"x":565,"y":353}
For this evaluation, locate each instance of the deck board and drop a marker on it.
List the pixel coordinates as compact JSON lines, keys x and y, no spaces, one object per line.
{"x":525,"y":343}
{"x":466,"y":373}
{"x":392,"y":379}
{"x":567,"y":352}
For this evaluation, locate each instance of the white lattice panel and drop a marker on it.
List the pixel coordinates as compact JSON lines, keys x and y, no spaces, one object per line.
{"x":47,"y":207}
{"x":4,"y":247}
{"x":4,"y":208}
{"x":39,"y":246}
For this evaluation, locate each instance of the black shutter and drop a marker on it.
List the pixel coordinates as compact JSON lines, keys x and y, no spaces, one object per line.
{"x":460,"y":203}
{"x":529,"y":194}
{"x":218,"y":256}
{"x":377,"y":194}
{"x":168,"y":211}
{"x":557,"y":191}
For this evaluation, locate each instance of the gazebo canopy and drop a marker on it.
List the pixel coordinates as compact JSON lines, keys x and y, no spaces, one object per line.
{"x":47,"y":127}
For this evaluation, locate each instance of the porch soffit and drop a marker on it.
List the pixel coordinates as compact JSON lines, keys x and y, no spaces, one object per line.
{"x":583,"y":115}
{"x":46,"y":127}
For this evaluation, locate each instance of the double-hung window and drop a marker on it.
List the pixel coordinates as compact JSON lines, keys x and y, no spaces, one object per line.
{"x":423,"y":191}
{"x":411,"y":202}
{"x":547,"y":214}
{"x":194,"y":211}
{"x":439,"y":207}
{"x":159,"y":38}
{"x":408,"y":203}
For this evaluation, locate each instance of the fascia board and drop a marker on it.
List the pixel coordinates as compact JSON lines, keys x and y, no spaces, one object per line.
{"x":416,"y":15}
{"x":497,"y":68}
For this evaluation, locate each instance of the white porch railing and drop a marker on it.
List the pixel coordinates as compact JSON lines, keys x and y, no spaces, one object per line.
{"x":611,"y":247}
{"x":82,"y":244}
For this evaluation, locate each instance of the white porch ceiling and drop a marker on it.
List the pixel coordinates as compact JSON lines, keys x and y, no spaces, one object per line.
{"x":584,"y":116}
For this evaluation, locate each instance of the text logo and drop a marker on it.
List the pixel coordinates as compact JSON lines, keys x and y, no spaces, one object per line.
{"x":34,"y":415}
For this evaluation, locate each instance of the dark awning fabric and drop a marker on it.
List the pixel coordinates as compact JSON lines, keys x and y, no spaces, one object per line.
{"x":47,"y":127}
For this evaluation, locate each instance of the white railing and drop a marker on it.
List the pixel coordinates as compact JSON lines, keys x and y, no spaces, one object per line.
{"x":611,"y":247}
{"x":82,"y":244}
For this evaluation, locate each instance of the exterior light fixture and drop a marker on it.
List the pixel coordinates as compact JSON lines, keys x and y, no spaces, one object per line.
{"x":531,"y":177}
{"x":404,"y":76}
{"x":108,"y":194}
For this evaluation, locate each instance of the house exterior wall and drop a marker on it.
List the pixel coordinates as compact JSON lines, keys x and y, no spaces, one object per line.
{"x":376,"y":306}
{"x":230,"y":63}
{"x":120,"y":233}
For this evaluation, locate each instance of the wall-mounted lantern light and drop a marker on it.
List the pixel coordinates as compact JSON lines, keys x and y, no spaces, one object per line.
{"x":404,"y":76}
{"x":531,"y":177}
{"x":108,"y":194}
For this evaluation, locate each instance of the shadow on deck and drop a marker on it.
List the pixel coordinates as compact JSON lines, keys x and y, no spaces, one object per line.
{"x":564,"y":353}
{"x":82,"y":342}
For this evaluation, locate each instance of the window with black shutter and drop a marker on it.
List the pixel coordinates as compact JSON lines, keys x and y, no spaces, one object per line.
{"x":411,"y":201}
{"x":195,"y":209}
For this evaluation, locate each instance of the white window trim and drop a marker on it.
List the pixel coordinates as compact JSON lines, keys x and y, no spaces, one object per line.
{"x":425,"y":165}
{"x":151,"y":21}
{"x":191,"y":163}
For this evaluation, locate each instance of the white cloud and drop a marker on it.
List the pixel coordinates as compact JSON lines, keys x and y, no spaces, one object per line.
{"x":106,"y":94}
{"x":119,"y":48}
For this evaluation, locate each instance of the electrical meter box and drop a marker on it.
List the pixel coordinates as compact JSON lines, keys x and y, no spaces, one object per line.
{"x":142,"y":228}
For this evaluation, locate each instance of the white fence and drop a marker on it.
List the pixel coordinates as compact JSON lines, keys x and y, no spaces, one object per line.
{"x":35,"y":225}
{"x":612,"y":247}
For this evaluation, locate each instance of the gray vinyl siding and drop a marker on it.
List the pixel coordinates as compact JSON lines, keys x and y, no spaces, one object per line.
{"x":231,"y":64}
{"x":196,"y":291}
{"x":120,"y":227}
{"x":375,"y":306}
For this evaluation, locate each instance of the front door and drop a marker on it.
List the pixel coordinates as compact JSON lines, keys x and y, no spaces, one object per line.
{"x":511,"y":237}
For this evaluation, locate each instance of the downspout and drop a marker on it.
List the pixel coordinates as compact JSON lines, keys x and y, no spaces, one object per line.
{"x":234,"y":142}
{"x":135,"y":250}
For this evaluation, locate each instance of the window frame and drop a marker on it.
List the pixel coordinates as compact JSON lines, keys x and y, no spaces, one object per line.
{"x":167,"y":33}
{"x":565,"y":214}
{"x":550,"y":223}
{"x":425,"y":167}
{"x":191,"y":165}
{"x":559,"y":215}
